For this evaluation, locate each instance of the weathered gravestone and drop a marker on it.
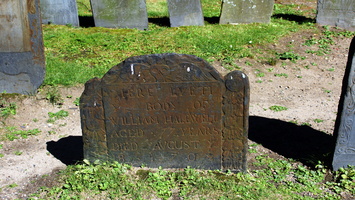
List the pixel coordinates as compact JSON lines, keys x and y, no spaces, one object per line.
{"x":185,"y":13}
{"x":59,"y":12}
{"x":339,"y":13}
{"x":246,"y":11}
{"x":344,"y":154}
{"x":22,"y":65}
{"x":120,"y":13}
{"x":167,"y":110}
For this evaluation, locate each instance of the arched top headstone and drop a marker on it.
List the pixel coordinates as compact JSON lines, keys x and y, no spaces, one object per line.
{"x":168,"y":110}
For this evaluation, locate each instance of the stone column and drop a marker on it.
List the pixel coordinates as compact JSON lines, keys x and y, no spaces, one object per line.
{"x":22,"y":63}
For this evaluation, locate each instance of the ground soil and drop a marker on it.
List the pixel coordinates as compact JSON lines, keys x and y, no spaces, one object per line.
{"x":304,"y":131}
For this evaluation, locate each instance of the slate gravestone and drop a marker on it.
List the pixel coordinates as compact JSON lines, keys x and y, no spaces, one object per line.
{"x":339,"y":13}
{"x":185,"y":13}
{"x":120,"y":13}
{"x":344,"y":154}
{"x":22,"y":65}
{"x":59,"y":12}
{"x":168,"y":110}
{"x":246,"y":11}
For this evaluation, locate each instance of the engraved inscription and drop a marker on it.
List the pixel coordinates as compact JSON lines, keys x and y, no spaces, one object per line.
{"x":14,"y":26}
{"x":186,"y":111}
{"x":170,"y":110}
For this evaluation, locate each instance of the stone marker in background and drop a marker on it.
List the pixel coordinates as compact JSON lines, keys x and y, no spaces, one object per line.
{"x":167,"y":110}
{"x":246,"y":11}
{"x":185,"y":13}
{"x":22,"y":64}
{"x":120,"y":13}
{"x":60,"y":12}
{"x":339,"y":13}
{"x":344,"y":154}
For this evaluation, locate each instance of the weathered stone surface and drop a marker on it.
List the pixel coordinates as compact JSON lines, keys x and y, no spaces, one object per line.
{"x":339,"y":13}
{"x":185,"y":13}
{"x":120,"y":13}
{"x":22,"y":65}
{"x":246,"y":11}
{"x":59,"y":12}
{"x":168,"y":110}
{"x":344,"y":154}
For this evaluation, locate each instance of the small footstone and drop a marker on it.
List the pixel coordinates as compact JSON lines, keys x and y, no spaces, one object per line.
{"x":120,"y":13}
{"x":60,"y":12}
{"x":185,"y":13}
{"x":339,"y":13}
{"x":246,"y":11}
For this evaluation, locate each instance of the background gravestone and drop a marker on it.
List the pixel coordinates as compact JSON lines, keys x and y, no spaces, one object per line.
{"x":246,"y":11}
{"x":120,"y":13}
{"x":344,"y":154}
{"x":167,"y":110}
{"x":60,"y":12}
{"x":339,"y":13}
{"x":185,"y":13}
{"x":22,"y":65}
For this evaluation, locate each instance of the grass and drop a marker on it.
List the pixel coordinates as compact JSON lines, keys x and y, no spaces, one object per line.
{"x":276,"y":108}
{"x":274,"y":178}
{"x":12,"y":133}
{"x":75,"y":55}
{"x":58,"y":115}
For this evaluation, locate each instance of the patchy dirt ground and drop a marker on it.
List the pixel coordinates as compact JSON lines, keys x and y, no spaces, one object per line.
{"x":310,"y":91}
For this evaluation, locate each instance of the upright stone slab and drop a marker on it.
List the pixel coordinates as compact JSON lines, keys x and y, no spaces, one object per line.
{"x":120,"y":13}
{"x":22,"y":65}
{"x":246,"y":11}
{"x":168,"y":110}
{"x":59,"y":12}
{"x":339,"y":13}
{"x":185,"y":13}
{"x":344,"y":154}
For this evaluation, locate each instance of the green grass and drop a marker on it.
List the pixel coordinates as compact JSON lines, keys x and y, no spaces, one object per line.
{"x":58,"y":115}
{"x":75,"y":55}
{"x":11,"y":133}
{"x":274,"y":179}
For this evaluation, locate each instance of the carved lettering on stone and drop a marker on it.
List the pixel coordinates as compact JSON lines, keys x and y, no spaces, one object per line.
{"x":167,"y":110}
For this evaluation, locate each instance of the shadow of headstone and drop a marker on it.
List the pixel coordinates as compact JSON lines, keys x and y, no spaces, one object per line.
{"x":68,"y":150}
{"x":301,"y":143}
{"x":295,"y":18}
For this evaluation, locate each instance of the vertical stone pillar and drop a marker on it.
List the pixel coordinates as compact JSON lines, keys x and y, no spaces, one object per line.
{"x":22,"y":64}
{"x":120,"y":13}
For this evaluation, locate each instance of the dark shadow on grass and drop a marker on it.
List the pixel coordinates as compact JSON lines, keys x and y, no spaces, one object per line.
{"x":86,"y":21}
{"x":161,"y":21}
{"x":212,"y":20}
{"x":296,"y":18}
{"x":301,"y":143}
{"x":68,"y":150}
